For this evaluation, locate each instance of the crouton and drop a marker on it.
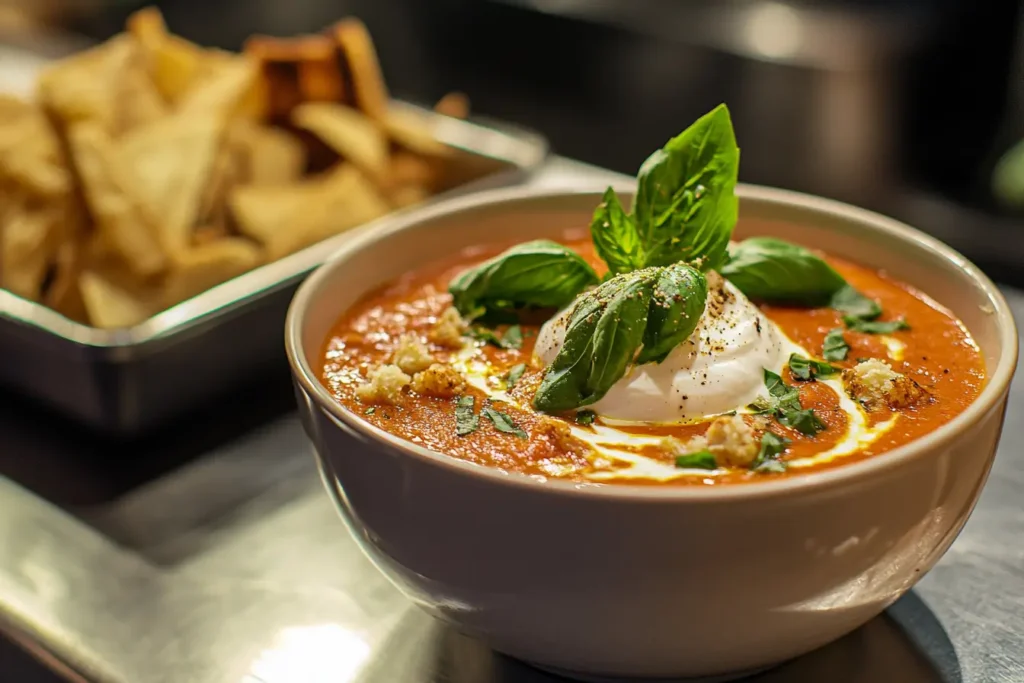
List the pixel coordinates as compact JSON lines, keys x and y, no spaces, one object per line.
{"x":875,"y":384}
{"x":439,"y":380}
{"x":559,"y":434}
{"x":449,"y":329}
{"x":384,"y":386}
{"x":732,"y":441}
{"x":411,"y":355}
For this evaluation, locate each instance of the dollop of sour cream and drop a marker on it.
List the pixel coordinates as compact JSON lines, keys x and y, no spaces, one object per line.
{"x":719,"y":368}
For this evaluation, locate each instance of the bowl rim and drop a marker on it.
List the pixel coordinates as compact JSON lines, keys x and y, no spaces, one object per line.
{"x":995,"y":389}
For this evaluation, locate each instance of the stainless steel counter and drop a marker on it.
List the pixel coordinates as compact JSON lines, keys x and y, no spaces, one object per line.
{"x":236,"y":568}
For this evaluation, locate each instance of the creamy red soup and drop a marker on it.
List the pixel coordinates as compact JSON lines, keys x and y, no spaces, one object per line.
{"x":405,"y":361}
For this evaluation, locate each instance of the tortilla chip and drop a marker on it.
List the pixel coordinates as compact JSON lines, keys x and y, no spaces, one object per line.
{"x":270,"y":156}
{"x":203,"y":267}
{"x":415,"y":132}
{"x":227,"y":171}
{"x":409,"y":169}
{"x":63,"y":294}
{"x":407,"y":195}
{"x":31,"y":157}
{"x":26,"y":247}
{"x":172,"y":160}
{"x":137,"y":100}
{"x":278,"y":78}
{"x":317,"y":69}
{"x":116,"y":208}
{"x":454,"y":104}
{"x":262,"y":212}
{"x":223,"y":86}
{"x":356,"y":45}
{"x":111,"y":304}
{"x":82,"y":88}
{"x":344,"y":200}
{"x":352,"y":135}
{"x":174,"y":63}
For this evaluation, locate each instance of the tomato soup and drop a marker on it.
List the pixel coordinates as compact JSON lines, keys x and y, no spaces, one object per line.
{"x":842,"y":388}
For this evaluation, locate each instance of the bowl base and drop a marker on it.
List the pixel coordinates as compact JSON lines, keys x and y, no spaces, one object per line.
{"x":592,"y":678}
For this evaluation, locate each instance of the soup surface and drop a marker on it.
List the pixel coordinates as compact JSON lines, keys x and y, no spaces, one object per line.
{"x":405,"y":361}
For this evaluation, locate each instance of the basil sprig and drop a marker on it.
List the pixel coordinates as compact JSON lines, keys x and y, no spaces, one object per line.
{"x":649,"y":311}
{"x":540,"y":273}
{"x":685,"y":207}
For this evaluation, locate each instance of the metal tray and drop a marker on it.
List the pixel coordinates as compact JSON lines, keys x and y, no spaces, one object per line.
{"x":128,"y":381}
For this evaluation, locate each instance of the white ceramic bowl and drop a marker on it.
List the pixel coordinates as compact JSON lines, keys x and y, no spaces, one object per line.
{"x":651,"y":581}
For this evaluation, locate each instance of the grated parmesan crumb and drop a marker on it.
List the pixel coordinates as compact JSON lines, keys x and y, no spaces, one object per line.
{"x":384,"y":386}
{"x":439,"y":380}
{"x":449,"y":329}
{"x":732,"y":441}
{"x":875,"y":384}
{"x":412,"y":355}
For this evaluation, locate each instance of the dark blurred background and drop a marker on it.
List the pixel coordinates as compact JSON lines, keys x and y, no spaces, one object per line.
{"x":900,"y":105}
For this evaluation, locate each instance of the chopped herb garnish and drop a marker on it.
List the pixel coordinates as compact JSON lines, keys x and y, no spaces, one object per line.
{"x":835,"y":347}
{"x":515,"y":373}
{"x":874,"y":326}
{"x":772,"y":446}
{"x":701,"y":460}
{"x":585,"y":417}
{"x":502,"y":422}
{"x":851,"y":302}
{"x":513,"y":338}
{"x":784,"y":403}
{"x":370,"y":411}
{"x":803,"y":420}
{"x":466,"y":421}
{"x":807,"y":368}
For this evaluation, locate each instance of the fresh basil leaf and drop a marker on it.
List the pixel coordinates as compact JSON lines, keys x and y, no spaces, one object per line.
{"x":614,"y":235}
{"x":515,"y":373}
{"x":466,"y":421}
{"x":851,"y":302}
{"x":502,"y":422}
{"x":701,"y":460}
{"x":540,"y":273}
{"x":874,"y":326}
{"x":585,"y":417}
{"x":605,"y":330}
{"x":484,"y":334}
{"x":513,"y":338}
{"x":677,"y":303}
{"x":771,"y":269}
{"x":835,"y":347}
{"x":686,"y":205}
{"x":803,"y":420}
{"x":772,"y":446}
{"x":807,"y":368}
